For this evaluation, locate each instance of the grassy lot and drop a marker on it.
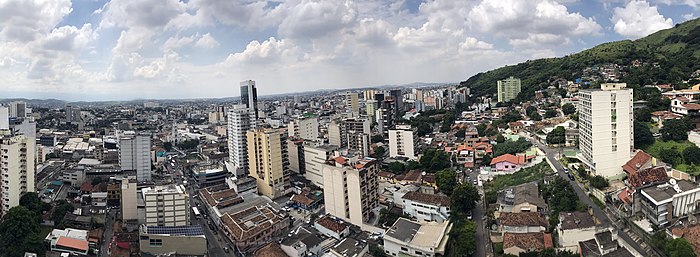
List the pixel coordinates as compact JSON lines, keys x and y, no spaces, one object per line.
{"x":658,"y":145}
{"x":523,"y":176}
{"x":45,"y":230}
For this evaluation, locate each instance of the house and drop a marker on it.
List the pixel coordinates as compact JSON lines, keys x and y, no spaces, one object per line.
{"x":659,"y":117}
{"x":410,"y":238}
{"x":426,"y":207}
{"x":684,"y":106}
{"x":302,"y":242}
{"x":521,"y":198}
{"x":508,"y":163}
{"x":515,"y":127}
{"x":603,"y":244}
{"x":471,"y":136}
{"x":481,"y":149}
{"x":307,"y":200}
{"x":516,"y":243}
{"x":640,"y":160}
{"x":575,"y":227}
{"x":348,"y":247}
{"x":522,"y":222}
{"x":253,"y":227}
{"x":72,"y":241}
{"x":662,"y":203}
{"x":647,"y":176}
{"x":332,"y":227}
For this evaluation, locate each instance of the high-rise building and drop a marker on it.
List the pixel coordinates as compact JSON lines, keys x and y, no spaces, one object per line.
{"x":249,"y":98}
{"x":304,"y":128}
{"x":335,"y":134}
{"x":508,"y":89}
{"x":371,"y":108}
{"x":350,"y":189}
{"x":17,"y":169}
{"x":128,"y":199}
{"x":135,"y":154}
{"x":388,"y":118}
{"x":397,"y":95}
{"x":18,"y":109}
{"x":606,"y":133}
{"x":352,"y":133}
{"x":352,"y":104}
{"x":295,"y":149}
{"x":4,"y":118}
{"x":315,"y":158}
{"x":238,"y":124}
{"x":72,"y":114}
{"x":166,"y":206}
{"x":402,"y":142}
{"x":418,"y":94}
{"x":268,"y":161}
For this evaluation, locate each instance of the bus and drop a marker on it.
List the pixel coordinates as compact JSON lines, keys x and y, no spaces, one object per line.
{"x":196,"y":212}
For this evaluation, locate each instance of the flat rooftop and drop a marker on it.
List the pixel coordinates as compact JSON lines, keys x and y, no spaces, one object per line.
{"x":663,"y":192}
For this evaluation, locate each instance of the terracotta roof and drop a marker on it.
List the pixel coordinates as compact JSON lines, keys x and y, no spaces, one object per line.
{"x":634,"y":164}
{"x":690,"y":233}
{"x":270,"y":250}
{"x":251,"y":222}
{"x":331,"y":224}
{"x":413,"y":175}
{"x":86,"y":187}
{"x":682,"y":99}
{"x":522,"y":219}
{"x":72,"y":243}
{"x":575,"y":220}
{"x":432,"y":199}
{"x":340,"y":160}
{"x":515,"y":124}
{"x":509,"y":158}
{"x":302,"y":199}
{"x":664,"y":86}
{"x":647,"y":176}
{"x":625,"y":196}
{"x":527,"y":241}
{"x":386,"y":174}
{"x":691,"y":106}
{"x":220,"y":196}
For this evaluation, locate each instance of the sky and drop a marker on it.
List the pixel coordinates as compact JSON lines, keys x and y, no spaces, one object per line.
{"x":164,"y":49}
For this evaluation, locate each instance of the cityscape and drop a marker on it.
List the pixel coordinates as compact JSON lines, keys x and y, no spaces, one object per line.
{"x":591,"y":151}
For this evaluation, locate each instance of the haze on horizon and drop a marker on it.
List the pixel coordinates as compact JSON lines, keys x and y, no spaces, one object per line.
{"x":123,"y":49}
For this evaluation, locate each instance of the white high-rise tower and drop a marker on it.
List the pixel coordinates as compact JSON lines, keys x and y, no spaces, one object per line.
{"x":238,"y":123}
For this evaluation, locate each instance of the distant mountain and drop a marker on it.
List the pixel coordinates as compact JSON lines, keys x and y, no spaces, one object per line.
{"x":673,"y":54}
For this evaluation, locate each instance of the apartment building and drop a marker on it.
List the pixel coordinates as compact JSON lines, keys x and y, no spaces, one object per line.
{"x":403,"y":142}
{"x":666,"y":202}
{"x":166,"y":206}
{"x":352,"y":104}
{"x":304,"y":128}
{"x":606,"y":134}
{"x":129,"y":202}
{"x":238,"y":125}
{"x":410,"y":238}
{"x":351,"y":188}
{"x":135,"y":154}
{"x":315,"y":157}
{"x":426,"y":207}
{"x":352,"y":133}
{"x":249,"y":98}
{"x":268,"y":161}
{"x":18,"y":169}
{"x":508,"y":89}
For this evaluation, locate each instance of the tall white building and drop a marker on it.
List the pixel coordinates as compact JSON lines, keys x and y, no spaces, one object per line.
{"x":135,"y":154}
{"x":606,"y":133}
{"x":352,"y":104}
{"x":128,"y":199}
{"x":304,"y":128}
{"x":350,"y":190}
{"x":17,"y":169}
{"x":166,"y":206}
{"x":315,"y":158}
{"x":18,"y":109}
{"x":4,"y":118}
{"x":402,"y":142}
{"x":352,"y":133}
{"x":238,"y":124}
{"x":249,"y":98}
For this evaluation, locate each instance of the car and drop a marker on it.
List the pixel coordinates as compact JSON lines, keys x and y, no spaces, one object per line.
{"x":287,"y":209}
{"x":566,"y":170}
{"x":571,"y":177}
{"x":469,"y":215}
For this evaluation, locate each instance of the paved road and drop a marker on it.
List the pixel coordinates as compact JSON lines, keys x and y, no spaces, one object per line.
{"x":583,"y":196}
{"x":109,"y":231}
{"x":478,"y":217}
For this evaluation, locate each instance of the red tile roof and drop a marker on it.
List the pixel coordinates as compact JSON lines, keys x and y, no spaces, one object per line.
{"x":527,"y":241}
{"x":331,"y":224}
{"x":634,"y":164}
{"x":509,"y":158}
{"x":340,"y":160}
{"x":270,"y":250}
{"x":530,"y":219}
{"x":691,"y":106}
{"x":647,"y":176}
{"x":72,"y":243}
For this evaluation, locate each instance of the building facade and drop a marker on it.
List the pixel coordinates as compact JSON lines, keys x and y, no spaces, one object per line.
{"x":315,"y":158}
{"x":135,"y":154}
{"x":238,"y":125}
{"x":352,"y":104}
{"x":606,"y":133}
{"x":351,"y":188}
{"x":268,"y":161}
{"x":304,"y":128}
{"x":249,"y":98}
{"x":402,"y":142}
{"x":18,"y":170}
{"x":508,"y":89}
{"x":166,"y":206}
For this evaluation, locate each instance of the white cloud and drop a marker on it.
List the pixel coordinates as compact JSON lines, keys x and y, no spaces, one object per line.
{"x":142,"y":13}
{"x":25,"y":21}
{"x":692,"y":3}
{"x":207,"y":41}
{"x":270,"y":51}
{"x":689,"y":16}
{"x":638,"y":19}
{"x":178,"y":42}
{"x":313,"y":19}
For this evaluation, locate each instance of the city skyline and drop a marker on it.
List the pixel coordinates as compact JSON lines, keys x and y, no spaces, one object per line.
{"x":121,"y":50}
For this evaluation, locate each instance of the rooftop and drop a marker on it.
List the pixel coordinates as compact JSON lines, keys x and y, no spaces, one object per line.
{"x":250,"y":222}
{"x":522,"y":219}
{"x":664,"y":192}
{"x":634,"y":164}
{"x":527,"y":241}
{"x":332,"y":224}
{"x":194,"y":230}
{"x":575,"y":220}
{"x":270,"y":250}
{"x":648,"y":176}
{"x":349,"y":247}
{"x":426,"y":235}
{"x":432,"y":199}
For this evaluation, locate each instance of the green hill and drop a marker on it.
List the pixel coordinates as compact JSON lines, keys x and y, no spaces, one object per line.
{"x":675,"y":50}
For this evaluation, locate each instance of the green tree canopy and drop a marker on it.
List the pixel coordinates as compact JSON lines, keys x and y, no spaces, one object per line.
{"x":397,"y":167}
{"x":568,"y":108}
{"x":463,"y":239}
{"x":168,"y":146}
{"x":446,"y":181}
{"x":691,"y":155}
{"x":680,"y":247}
{"x":599,"y":182}
{"x":676,"y":130}
{"x":463,"y":198}
{"x":62,"y":207}
{"x":511,"y":147}
{"x":551,"y":113}
{"x":32,"y":202}
{"x":19,"y":233}
{"x":642,"y":135}
{"x":557,"y":136}
{"x":670,"y":156}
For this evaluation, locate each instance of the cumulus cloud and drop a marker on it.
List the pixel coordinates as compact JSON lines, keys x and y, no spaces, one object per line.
{"x":638,"y":19}
{"x":312,"y":19}
{"x":142,"y":13}
{"x":268,"y":52}
{"x":25,"y":21}
{"x":207,"y":41}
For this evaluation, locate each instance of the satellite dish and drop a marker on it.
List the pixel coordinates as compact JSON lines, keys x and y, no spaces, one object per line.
{"x":672,"y":182}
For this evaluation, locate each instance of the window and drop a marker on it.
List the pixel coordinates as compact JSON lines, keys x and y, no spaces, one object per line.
{"x":156,"y":242}
{"x":404,"y":249}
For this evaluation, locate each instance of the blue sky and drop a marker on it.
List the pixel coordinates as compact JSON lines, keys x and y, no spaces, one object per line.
{"x":125,"y":49}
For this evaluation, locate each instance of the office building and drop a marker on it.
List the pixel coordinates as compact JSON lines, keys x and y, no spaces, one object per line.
{"x":508,"y":89}
{"x":179,"y":240}
{"x":209,"y":175}
{"x":304,"y":128}
{"x":606,"y":134}
{"x":134,"y":154}
{"x":352,"y":104}
{"x":238,"y":124}
{"x":669,"y":201}
{"x":166,"y":206}
{"x":249,"y":98}
{"x":350,"y":188}
{"x":386,"y":116}
{"x":129,"y":196}
{"x":72,"y":114}
{"x":268,"y":161}
{"x":18,"y":109}
{"x":371,"y":108}
{"x":352,"y":133}
{"x":410,"y":238}
{"x":426,"y":207}
{"x":315,"y":157}
{"x":397,"y":95}
{"x":17,"y":169}
{"x":4,"y":118}
{"x":403,"y":143}
{"x":295,"y":150}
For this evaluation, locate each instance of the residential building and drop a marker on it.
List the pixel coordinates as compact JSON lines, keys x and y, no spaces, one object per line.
{"x":352,"y":133}
{"x":606,"y":134}
{"x":351,"y":188}
{"x":268,"y":160}
{"x":332,"y":227}
{"x":315,"y":158}
{"x":4,"y":118}
{"x":295,"y":150}
{"x":211,"y":175}
{"x":180,"y":240}
{"x":508,"y":163}
{"x":304,"y":128}
{"x":386,"y":117}
{"x":18,"y":170}
{"x":410,"y":238}
{"x":254,"y":227}
{"x":348,"y":247}
{"x":686,"y":107}
{"x":18,"y":109}
{"x":397,"y":95}
{"x":663,"y":203}
{"x":166,"y":206}
{"x":71,"y":241}
{"x":352,"y":104}
{"x":516,"y":243}
{"x":403,"y":142}
{"x":73,"y":114}
{"x":575,"y":227}
{"x":508,"y":89}
{"x":134,"y":154}
{"x":302,"y":242}
{"x":238,"y":125}
{"x":129,"y":199}
{"x":249,"y":98}
{"x":522,"y":222}
{"x":426,"y":207}
{"x":371,"y":106}
{"x":520,"y":198}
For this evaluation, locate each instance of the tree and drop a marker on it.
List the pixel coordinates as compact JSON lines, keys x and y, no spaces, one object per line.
{"x":463,"y":239}
{"x":434,"y":160}
{"x":676,"y":130}
{"x":500,"y":139}
{"x":188,"y":144}
{"x":691,"y":155}
{"x":557,"y":136}
{"x":551,"y":113}
{"x":32,"y":202}
{"x":511,"y":147}
{"x":679,"y":247}
{"x":568,"y":108}
{"x":642,"y":115}
{"x":598,"y":182}
{"x":62,"y":207}
{"x":168,"y":146}
{"x":19,"y":233}
{"x":642,"y":135}
{"x":377,"y":138}
{"x":96,"y":180}
{"x":463,"y":198}
{"x":535,"y":116}
{"x":460,"y":133}
{"x":396,"y":167}
{"x":423,"y":128}
{"x":446,"y":181}
{"x":670,"y":156}
{"x":379,"y":152}
{"x":412,"y":165}
{"x":582,"y":172}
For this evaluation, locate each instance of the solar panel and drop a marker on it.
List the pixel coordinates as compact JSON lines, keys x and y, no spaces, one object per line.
{"x":194,"y":230}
